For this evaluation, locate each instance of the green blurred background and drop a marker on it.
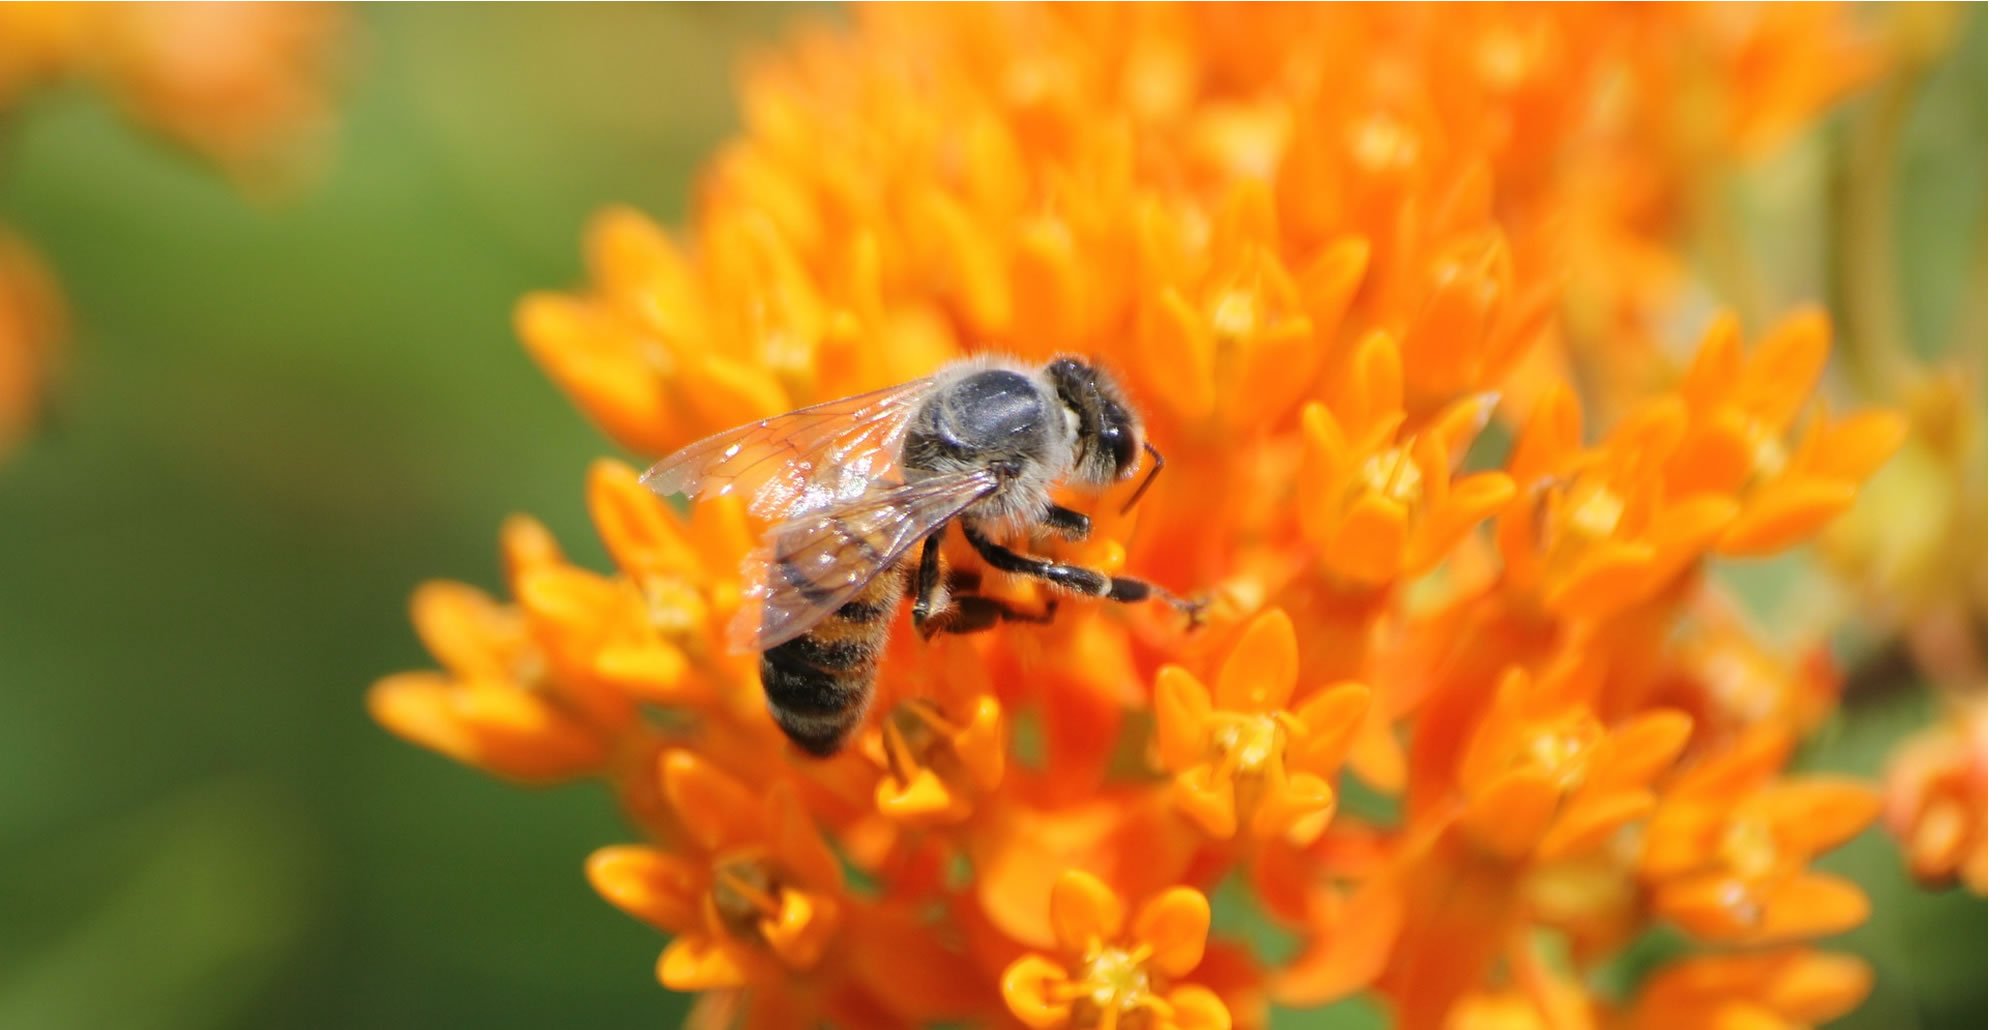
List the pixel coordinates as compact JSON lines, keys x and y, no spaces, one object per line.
{"x":278,"y":418}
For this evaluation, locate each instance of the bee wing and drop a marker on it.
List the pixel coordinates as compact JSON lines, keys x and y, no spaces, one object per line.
{"x":786,"y":465}
{"x":815,"y":563}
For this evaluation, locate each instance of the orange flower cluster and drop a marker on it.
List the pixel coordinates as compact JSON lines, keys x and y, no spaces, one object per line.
{"x":31,"y":325}
{"x":241,"y":85}
{"x":1326,"y":249}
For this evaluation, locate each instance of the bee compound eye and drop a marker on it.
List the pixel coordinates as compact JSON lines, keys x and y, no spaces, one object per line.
{"x":1118,"y":440}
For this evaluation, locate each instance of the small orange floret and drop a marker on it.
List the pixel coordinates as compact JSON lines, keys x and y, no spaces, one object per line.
{"x":1726,"y":855}
{"x":1377,"y":503}
{"x":1790,"y":987}
{"x":755,"y":889}
{"x":1114,"y":973}
{"x":1543,"y":778}
{"x":1242,"y":754}
{"x":1937,"y":796}
{"x":31,"y":332}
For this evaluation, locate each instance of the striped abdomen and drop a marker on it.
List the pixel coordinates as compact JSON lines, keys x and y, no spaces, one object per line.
{"x":818,"y":685}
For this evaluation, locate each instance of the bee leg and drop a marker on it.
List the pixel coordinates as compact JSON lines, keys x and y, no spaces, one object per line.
{"x":1089,"y":582}
{"x":974,"y":613}
{"x":1070,"y":525}
{"x":933,"y":597}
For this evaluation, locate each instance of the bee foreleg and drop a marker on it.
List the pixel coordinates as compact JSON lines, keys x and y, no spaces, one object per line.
{"x":1070,"y":525}
{"x":1089,"y":582}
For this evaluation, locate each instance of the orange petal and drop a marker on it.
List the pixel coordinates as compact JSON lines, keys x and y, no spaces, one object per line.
{"x":1816,"y":815}
{"x":1639,"y":751}
{"x":1367,"y":544}
{"x":1263,"y":668}
{"x":1716,"y":363}
{"x":1552,"y":433}
{"x":1175,"y":923}
{"x":1331,"y":718}
{"x":800,"y":849}
{"x":1352,"y":942}
{"x":1468,"y":502}
{"x":1784,"y":514}
{"x":1613,"y":577}
{"x":1208,"y":799}
{"x":526,"y":546}
{"x":982,"y":743}
{"x":1029,"y":985}
{"x":1328,"y":282}
{"x":600,"y":363}
{"x":1181,"y":708}
{"x":637,"y":527}
{"x":1584,"y":825}
{"x":717,"y":810}
{"x":1853,"y":447}
{"x":799,"y":933}
{"x":1781,"y":372}
{"x":722,"y":391}
{"x":1813,"y":905}
{"x":1296,"y":807}
{"x":693,"y":963}
{"x":1373,"y":394}
{"x":1817,"y":988}
{"x":1183,"y":376}
{"x":650,"y":671}
{"x":922,"y":799}
{"x":1510,"y":816}
{"x":496,"y":727}
{"x":1684,"y":530}
{"x":464,"y":629}
{"x":1196,"y":1008}
{"x":1082,"y":910}
{"x":660,"y":888}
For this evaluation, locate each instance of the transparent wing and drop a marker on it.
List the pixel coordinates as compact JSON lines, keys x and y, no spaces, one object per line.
{"x":821,"y":560}
{"x":789,"y":464}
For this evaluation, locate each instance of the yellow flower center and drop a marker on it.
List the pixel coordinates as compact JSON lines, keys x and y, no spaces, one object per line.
{"x":916,"y":736}
{"x":1234,"y":316}
{"x":745,"y":893}
{"x":1245,"y":745}
{"x":673,"y":606}
{"x":1381,"y":143}
{"x":1393,"y":474}
{"x":1114,"y":989}
{"x":1563,"y":750}
{"x":1768,"y":454}
{"x":1598,"y":513}
{"x":1750,"y":848}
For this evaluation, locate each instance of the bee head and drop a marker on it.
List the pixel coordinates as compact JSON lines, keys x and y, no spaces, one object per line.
{"x":1108,"y":434}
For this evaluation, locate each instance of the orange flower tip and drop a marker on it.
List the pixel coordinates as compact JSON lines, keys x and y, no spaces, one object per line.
{"x":1082,"y":910}
{"x":1263,"y":667}
{"x":1175,"y":924}
{"x":690,"y":964}
{"x":1784,"y":515}
{"x":1032,"y":987}
{"x":1197,"y":1008}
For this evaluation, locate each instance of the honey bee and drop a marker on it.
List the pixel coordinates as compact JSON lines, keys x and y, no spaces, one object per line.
{"x":854,"y":485}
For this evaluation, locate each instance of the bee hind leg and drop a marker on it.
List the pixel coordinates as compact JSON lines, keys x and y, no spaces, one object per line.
{"x":975,"y":613}
{"x":947,"y":604}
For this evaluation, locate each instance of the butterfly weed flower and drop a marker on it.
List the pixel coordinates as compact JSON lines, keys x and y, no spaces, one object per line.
{"x":1117,"y":971}
{"x":31,"y":328}
{"x":1389,"y":287}
{"x":244,"y":87}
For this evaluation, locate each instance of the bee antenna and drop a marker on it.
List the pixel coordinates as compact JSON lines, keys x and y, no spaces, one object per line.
{"x":1159,"y":463}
